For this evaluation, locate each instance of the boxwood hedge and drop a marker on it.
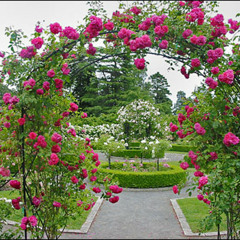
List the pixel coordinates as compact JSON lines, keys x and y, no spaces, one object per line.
{"x":157,"y":179}
{"x":181,"y":148}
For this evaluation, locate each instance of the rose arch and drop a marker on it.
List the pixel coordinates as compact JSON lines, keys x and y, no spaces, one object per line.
{"x":40,"y":152}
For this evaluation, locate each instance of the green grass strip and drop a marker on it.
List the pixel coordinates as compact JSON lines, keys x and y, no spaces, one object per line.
{"x":195,"y":211}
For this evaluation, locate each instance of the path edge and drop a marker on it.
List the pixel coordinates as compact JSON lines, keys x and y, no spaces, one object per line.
{"x":184,"y":224}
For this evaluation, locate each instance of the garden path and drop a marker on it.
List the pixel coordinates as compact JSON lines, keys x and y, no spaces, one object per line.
{"x":139,"y":214}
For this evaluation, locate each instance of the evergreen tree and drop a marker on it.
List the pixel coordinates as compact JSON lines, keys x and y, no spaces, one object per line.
{"x":181,"y":98}
{"x":160,"y":92}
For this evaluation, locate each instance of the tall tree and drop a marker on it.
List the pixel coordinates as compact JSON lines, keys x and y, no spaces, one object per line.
{"x":110,"y":84}
{"x":160,"y":92}
{"x":181,"y":98}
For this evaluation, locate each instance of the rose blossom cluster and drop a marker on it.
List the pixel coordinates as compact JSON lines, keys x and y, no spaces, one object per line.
{"x":195,"y":14}
{"x":230,"y":139}
{"x":37,"y":42}
{"x":15,"y":203}
{"x":213,"y":55}
{"x":71,"y":33}
{"x":199,"y":129}
{"x":94,"y":27}
{"x":211,"y":83}
{"x":4,"y":172}
{"x":109,"y":25}
{"x":55,"y":28}
{"x":32,"y":220}
{"x":184,"y":72}
{"x":234,"y":26}
{"x":201,"y":40}
{"x":148,"y":22}
{"x":140,"y":63}
{"x":28,"y":52}
{"x":227,"y":76}
{"x":91,"y":49}
{"x":123,"y":17}
{"x":173,"y":127}
{"x":8,"y":100}
{"x":219,"y":27}
{"x":135,"y":10}
{"x":140,"y":43}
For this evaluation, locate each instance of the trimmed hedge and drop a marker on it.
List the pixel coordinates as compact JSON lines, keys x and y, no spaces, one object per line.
{"x":132,"y":153}
{"x":156,"y":179}
{"x":134,"y":144}
{"x":182,"y":148}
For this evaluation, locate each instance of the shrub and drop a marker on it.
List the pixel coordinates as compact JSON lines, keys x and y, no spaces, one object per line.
{"x":173,"y":176}
{"x":181,"y":148}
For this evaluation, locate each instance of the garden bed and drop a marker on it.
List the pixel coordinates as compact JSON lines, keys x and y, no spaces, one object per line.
{"x":130,"y":179}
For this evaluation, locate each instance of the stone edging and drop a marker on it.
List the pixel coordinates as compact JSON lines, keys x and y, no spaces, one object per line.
{"x":184,"y":224}
{"x":85,"y":227}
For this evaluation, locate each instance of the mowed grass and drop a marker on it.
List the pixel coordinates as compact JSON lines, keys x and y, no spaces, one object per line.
{"x":195,"y":211}
{"x":17,"y":215}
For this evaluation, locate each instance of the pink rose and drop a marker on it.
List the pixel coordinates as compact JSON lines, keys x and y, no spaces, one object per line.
{"x":51,"y":73}
{"x":175,"y":189}
{"x":37,"y":42}
{"x":57,"y":204}
{"x":203,"y":181}
{"x":93,"y":178}
{"x":140,"y":63}
{"x":195,"y":62}
{"x":32,"y":220}
{"x":200,"y":197}
{"x":21,"y":121}
{"x":230,"y":139}
{"x":115,"y":189}
{"x":74,"y":179}
{"x":53,"y":159}
{"x":109,"y":25}
{"x":32,"y":135}
{"x":96,"y":190}
{"x":40,"y":91}
{"x":36,"y":201}
{"x":55,"y":28}
{"x":73,"y":107}
{"x":7,"y":124}
{"x":184,"y":165}
{"x":114,"y":199}
{"x":15,"y":184}
{"x":57,"y":138}
{"x":163,"y":44}
{"x":56,"y":149}
{"x":46,"y":85}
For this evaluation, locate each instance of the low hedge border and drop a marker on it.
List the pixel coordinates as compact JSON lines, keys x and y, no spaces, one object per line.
{"x":132,"y":153}
{"x":181,"y":148}
{"x":157,"y":179}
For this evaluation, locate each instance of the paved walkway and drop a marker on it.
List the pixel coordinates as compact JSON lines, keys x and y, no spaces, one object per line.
{"x":139,"y":214}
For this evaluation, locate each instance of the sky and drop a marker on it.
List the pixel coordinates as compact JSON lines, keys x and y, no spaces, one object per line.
{"x":25,"y":15}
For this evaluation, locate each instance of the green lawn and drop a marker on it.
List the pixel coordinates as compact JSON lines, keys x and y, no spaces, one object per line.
{"x":194,"y":211}
{"x":17,"y":215}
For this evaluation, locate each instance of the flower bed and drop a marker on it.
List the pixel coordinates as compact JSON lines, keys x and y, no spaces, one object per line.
{"x":129,"y":179}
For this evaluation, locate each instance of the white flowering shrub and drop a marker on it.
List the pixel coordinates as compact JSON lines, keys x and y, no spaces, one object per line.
{"x":139,"y":120}
{"x":95,"y":132}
